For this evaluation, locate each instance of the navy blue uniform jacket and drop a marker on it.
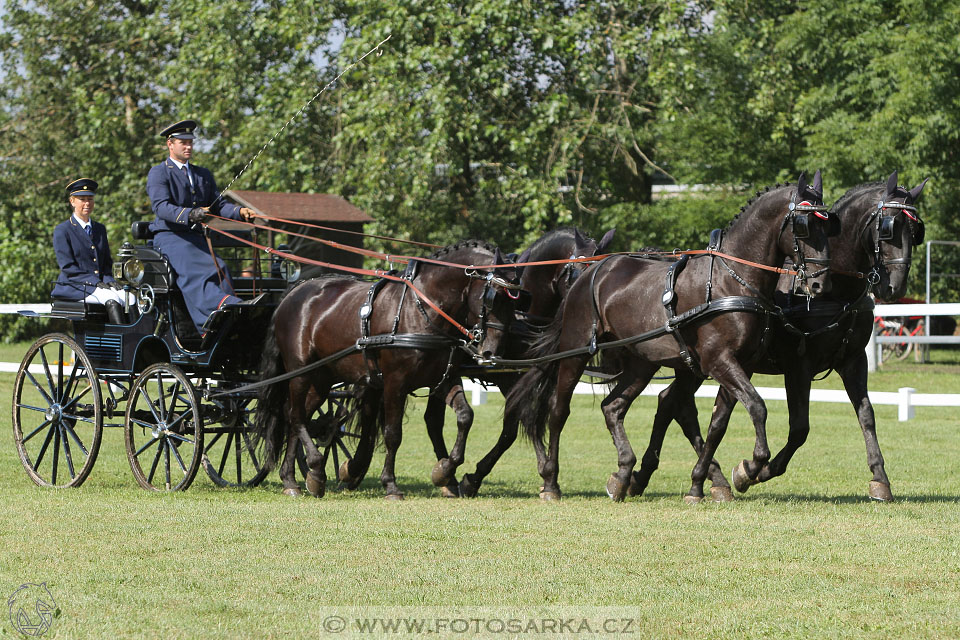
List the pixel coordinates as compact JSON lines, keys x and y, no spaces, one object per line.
{"x":84,"y":260}
{"x":172,"y":198}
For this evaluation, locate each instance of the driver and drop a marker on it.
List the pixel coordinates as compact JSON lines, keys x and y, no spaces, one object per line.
{"x":181,"y":195}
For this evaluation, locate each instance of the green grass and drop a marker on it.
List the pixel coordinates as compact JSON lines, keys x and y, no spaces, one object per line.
{"x":804,"y":556}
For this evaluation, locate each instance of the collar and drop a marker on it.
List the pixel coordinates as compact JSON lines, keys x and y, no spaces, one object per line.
{"x":83,"y":225}
{"x":179,"y":164}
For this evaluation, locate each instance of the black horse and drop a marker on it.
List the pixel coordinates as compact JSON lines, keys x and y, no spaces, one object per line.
{"x":547,"y":285}
{"x":405,"y":345}
{"x":712,"y":316}
{"x":880,"y":226}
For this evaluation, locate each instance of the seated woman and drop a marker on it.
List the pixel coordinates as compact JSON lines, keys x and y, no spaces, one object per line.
{"x":83,"y":255}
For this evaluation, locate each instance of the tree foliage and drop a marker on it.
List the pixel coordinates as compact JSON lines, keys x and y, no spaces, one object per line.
{"x":497,"y":119}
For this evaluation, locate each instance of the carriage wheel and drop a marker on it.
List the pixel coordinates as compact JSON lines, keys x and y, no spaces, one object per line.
{"x":229,"y":456}
{"x":57,"y":412}
{"x":336,"y":442}
{"x":162,"y":430}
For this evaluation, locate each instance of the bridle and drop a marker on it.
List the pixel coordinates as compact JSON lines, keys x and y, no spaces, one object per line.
{"x":884,"y":224}
{"x":492,"y":283}
{"x":799,"y":219}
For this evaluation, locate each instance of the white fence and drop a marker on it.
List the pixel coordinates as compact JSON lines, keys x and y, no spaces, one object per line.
{"x":908,"y":310}
{"x":905,"y":399}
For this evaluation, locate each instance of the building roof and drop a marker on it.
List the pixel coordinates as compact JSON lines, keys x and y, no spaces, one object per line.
{"x":312,"y":207}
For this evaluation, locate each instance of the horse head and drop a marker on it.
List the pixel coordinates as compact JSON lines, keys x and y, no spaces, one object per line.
{"x":892,"y":229}
{"x":493,"y":298}
{"x":804,"y":236}
{"x":548,"y":284}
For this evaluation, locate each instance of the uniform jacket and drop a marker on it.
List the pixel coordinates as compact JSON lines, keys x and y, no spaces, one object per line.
{"x":172,"y":197}
{"x":84,"y":260}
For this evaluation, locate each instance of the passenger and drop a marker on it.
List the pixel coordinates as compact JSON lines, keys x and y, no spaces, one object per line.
{"x":181,"y":195}
{"x":83,"y":255}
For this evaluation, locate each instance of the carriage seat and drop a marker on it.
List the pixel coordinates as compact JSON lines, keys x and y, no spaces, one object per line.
{"x":77,"y":309}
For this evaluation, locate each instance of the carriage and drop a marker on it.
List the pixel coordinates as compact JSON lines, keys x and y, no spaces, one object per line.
{"x":178,"y":395}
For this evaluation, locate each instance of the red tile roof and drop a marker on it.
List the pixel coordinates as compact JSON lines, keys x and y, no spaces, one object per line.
{"x":314,"y":207}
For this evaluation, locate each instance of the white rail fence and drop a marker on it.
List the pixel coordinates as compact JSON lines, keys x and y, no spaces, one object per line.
{"x":906,"y":399}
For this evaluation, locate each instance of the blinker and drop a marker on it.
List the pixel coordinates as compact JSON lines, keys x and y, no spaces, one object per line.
{"x":886,"y":227}
{"x":801,"y":225}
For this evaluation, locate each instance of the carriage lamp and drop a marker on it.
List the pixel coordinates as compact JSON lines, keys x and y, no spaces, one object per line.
{"x":133,"y":271}
{"x":290,"y":271}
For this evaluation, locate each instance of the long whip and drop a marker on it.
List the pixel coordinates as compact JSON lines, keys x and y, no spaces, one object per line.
{"x":302,"y":109}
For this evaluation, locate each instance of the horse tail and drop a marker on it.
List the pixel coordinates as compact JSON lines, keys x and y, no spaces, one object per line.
{"x":270,"y":427}
{"x":529,"y":399}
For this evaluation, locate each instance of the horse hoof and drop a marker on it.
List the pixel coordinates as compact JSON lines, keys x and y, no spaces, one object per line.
{"x":447,"y":492}
{"x":394,"y":496}
{"x":721,"y":494}
{"x":615,"y":489}
{"x":741,"y":480}
{"x":293,"y":492}
{"x":440,"y":476}
{"x":635,"y":488}
{"x":467,"y":488}
{"x":880,"y":491}
{"x":316,"y":485}
{"x":550,"y":496}
{"x":689,"y":499}
{"x":343,"y":473}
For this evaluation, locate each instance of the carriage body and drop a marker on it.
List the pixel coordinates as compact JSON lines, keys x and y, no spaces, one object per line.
{"x":171,"y":390}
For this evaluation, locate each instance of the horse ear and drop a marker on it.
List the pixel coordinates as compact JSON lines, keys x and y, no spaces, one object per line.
{"x":497,"y":256}
{"x":915,"y":192}
{"x":801,"y":183}
{"x":891,"y":185}
{"x":818,"y":184}
{"x":579,"y":239}
{"x":605,"y":241}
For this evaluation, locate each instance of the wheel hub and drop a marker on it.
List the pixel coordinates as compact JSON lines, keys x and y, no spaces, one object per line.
{"x":54,"y":413}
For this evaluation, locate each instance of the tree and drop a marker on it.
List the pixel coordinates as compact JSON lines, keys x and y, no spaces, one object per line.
{"x":88,"y":85}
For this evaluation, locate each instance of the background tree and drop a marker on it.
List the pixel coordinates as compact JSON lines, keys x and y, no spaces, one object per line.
{"x":490,"y":118}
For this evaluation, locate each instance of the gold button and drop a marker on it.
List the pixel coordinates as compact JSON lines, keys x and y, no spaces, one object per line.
{"x":95,"y":271}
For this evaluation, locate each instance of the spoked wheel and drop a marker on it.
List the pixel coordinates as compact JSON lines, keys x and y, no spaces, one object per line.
{"x":57,"y":412}
{"x":329,"y":431}
{"x":229,"y":457}
{"x":162,"y":429}
{"x":897,"y":350}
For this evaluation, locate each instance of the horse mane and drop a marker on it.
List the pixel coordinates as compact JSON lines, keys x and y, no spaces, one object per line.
{"x":756,"y":196}
{"x":463,"y":244}
{"x":551,"y":236}
{"x":855,"y":192}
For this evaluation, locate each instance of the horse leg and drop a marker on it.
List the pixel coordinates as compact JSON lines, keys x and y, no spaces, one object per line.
{"x":353,"y":470}
{"x":615,"y":407}
{"x":287,"y":470}
{"x":393,"y":404}
{"x":568,"y":374}
{"x":471,"y":482}
{"x":797,"y":384}
{"x":316,"y":480}
{"x":736,"y":387}
{"x":685,"y":413}
{"x":854,"y":376}
{"x":444,"y":472}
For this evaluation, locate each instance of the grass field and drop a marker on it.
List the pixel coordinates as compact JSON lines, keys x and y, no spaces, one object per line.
{"x":805,"y":556}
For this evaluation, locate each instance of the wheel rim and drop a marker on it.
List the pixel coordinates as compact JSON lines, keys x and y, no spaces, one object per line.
{"x":57,"y":412}
{"x":230,"y":458}
{"x":163,"y":436}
